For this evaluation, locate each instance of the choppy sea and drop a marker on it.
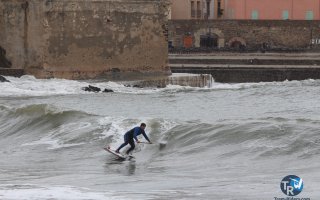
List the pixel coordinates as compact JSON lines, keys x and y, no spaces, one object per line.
{"x":226,"y":141}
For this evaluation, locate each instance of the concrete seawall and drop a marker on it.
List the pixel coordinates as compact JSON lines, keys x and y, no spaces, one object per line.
{"x":253,"y":74}
{"x":234,"y":68}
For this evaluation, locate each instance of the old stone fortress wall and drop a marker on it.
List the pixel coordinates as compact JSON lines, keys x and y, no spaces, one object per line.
{"x":79,"y":39}
{"x":83,"y":38}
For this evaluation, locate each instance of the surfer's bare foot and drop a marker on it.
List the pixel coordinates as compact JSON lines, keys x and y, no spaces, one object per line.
{"x":117,"y":151}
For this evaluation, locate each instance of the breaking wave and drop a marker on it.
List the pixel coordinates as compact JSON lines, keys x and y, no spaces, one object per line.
{"x":30,"y":86}
{"x":260,"y":138}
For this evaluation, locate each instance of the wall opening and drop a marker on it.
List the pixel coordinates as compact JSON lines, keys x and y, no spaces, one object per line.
{"x":198,"y":10}
{"x":219,"y":9}
{"x":309,"y":15}
{"x":255,"y":15}
{"x":187,"y":41}
{"x":237,"y":43}
{"x":209,"y":40}
{"x":4,"y":62}
{"x":285,"y":14}
{"x":193,"y":10}
{"x":208,"y":10}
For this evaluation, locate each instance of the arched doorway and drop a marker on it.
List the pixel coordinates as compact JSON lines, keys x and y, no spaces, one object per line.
{"x":237,"y":43}
{"x":209,"y":37}
{"x":209,"y":40}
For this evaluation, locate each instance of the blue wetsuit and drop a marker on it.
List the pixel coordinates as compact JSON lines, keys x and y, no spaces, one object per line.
{"x":130,"y":135}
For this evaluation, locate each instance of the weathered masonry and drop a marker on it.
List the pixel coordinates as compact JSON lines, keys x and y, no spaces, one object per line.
{"x":79,"y":39}
{"x":245,"y":34}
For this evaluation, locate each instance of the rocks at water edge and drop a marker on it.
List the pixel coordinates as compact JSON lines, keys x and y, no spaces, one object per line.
{"x":91,"y":88}
{"x":3,"y":79}
{"x":107,"y":90}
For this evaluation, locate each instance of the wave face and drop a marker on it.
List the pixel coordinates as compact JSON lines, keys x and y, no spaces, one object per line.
{"x":229,"y":141}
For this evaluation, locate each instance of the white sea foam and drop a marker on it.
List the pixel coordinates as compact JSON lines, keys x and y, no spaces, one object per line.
{"x":34,"y":192}
{"x":30,"y":86}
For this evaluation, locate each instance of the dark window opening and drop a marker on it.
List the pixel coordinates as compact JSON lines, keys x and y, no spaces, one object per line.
{"x":237,"y":45}
{"x":193,"y":10}
{"x":198,"y":10}
{"x":4,"y":62}
{"x":208,"y":41}
{"x":220,"y":10}
{"x":208,"y":9}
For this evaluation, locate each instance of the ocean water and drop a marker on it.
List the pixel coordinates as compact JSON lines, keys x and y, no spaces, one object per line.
{"x":226,"y":141}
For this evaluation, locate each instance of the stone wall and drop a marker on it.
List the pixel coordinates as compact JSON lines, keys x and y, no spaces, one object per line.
{"x":12,"y":31}
{"x":254,"y":73}
{"x":251,"y":34}
{"x":85,"y":38}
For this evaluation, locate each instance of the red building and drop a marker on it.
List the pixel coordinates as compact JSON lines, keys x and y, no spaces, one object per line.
{"x":271,"y":9}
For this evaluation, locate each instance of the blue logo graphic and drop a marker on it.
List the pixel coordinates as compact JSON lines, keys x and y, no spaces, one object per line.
{"x":291,"y":185}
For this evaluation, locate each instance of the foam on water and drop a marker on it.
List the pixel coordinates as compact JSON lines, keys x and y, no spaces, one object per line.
{"x":35,"y":192}
{"x":30,"y":86}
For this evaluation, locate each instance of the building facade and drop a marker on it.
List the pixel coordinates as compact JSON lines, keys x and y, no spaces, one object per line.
{"x":196,"y":9}
{"x":272,"y":9}
{"x":246,"y":9}
{"x":251,"y":35}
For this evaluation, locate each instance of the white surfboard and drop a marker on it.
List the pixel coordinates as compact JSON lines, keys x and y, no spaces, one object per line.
{"x":108,"y":149}
{"x":119,"y":155}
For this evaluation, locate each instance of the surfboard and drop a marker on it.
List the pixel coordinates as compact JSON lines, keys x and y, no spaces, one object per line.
{"x":144,"y":143}
{"x":108,"y":149}
{"x":119,"y":155}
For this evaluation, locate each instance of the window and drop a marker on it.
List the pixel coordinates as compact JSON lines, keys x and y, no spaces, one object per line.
{"x":309,"y":15}
{"x":208,"y":9}
{"x":220,"y":10}
{"x":193,"y":10}
{"x":285,"y":14}
{"x":255,"y":14}
{"x":198,"y":10}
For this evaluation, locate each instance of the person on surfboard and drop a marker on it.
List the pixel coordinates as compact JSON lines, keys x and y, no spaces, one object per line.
{"x":132,"y":134}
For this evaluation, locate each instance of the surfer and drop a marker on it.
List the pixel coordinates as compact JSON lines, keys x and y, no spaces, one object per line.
{"x":132,"y":134}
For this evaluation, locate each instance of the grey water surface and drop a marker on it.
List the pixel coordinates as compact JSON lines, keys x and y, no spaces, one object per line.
{"x":229,"y":141}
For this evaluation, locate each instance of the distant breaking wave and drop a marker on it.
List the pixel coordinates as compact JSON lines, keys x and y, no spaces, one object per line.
{"x":30,"y":86}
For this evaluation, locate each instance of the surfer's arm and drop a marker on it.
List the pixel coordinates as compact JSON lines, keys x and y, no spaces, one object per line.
{"x":135,"y":134}
{"x":145,"y":136}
